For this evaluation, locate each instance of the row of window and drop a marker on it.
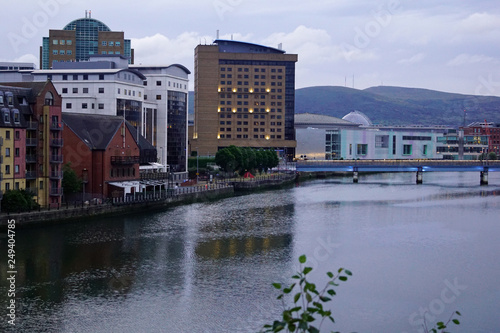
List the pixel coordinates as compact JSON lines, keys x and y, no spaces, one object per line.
{"x":100,"y":106}
{"x":245,"y":136}
{"x":245,"y":123}
{"x":245,"y":129}
{"x":75,"y":77}
{"x":170,"y":84}
{"x":110,"y":52}
{"x":246,"y":76}
{"x":8,"y":96}
{"x":62,"y":42}
{"x":6,"y":116}
{"x":84,"y":90}
{"x":122,"y":172}
{"x":62,"y":52}
{"x":246,"y":83}
{"x":256,"y":69}
{"x":255,"y":93}
{"x":111,"y":43}
{"x":255,"y":116}
{"x":16,"y":152}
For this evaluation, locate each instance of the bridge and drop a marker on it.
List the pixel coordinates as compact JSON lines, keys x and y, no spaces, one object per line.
{"x":418,"y":166}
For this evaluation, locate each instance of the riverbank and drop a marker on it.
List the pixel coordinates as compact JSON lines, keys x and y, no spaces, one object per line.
{"x":152,"y":202}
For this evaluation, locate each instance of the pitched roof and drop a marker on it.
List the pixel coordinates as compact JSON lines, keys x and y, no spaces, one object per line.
{"x":95,"y":130}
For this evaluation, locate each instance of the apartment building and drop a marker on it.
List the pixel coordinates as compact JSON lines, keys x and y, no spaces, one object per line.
{"x":244,"y":96}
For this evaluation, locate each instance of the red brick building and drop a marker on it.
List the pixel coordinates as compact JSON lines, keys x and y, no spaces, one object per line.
{"x":486,"y":128}
{"x":102,"y":151}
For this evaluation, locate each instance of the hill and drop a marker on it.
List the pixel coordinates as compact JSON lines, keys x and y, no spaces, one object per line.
{"x":395,"y":105}
{"x":398,"y":106}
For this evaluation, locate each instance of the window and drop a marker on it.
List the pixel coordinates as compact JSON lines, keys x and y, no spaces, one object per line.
{"x":7,"y":152}
{"x":65,"y":77}
{"x":55,"y":42}
{"x":104,"y":43}
{"x":85,"y":90}
{"x":75,"y":77}
{"x":85,"y":76}
{"x":424,"y":150}
{"x":84,"y":105}
{"x":110,"y":43}
{"x":7,"y":186}
{"x":7,"y":135}
{"x":382,"y":141}
{"x":16,"y":168}
{"x":16,"y":152}
{"x":362,"y":149}
{"x":69,"y":52}
{"x":7,"y":169}
{"x":75,"y":90}
{"x":101,"y":90}
{"x":100,"y":106}
{"x":101,"y":76}
{"x":41,"y":185}
{"x":407,"y":149}
{"x":158,"y":83}
{"x":69,"y":42}
{"x":68,"y":105}
{"x":117,"y":44}
{"x":158,"y":97}
{"x":64,"y":90}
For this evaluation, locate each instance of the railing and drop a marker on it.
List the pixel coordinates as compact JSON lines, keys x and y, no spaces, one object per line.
{"x":154,"y":175}
{"x":30,"y":174}
{"x":33,"y":125}
{"x":56,"y":142}
{"x":56,"y":126}
{"x":30,"y":158}
{"x":122,"y":160}
{"x":58,"y":191}
{"x":56,"y":159}
{"x":31,"y":142}
{"x":56,"y":174}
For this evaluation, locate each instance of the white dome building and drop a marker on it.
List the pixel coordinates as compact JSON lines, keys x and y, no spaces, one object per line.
{"x":358,"y":117}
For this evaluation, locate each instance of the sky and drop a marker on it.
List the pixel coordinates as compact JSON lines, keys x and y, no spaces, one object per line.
{"x":446,"y":45}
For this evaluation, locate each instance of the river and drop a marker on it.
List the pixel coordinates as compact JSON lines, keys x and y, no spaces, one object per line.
{"x":414,"y":251}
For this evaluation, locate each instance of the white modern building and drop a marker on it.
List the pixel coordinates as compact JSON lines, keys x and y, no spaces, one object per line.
{"x":354,"y":136}
{"x":152,"y":98}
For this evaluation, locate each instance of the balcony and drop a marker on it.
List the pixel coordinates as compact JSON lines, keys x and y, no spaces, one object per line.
{"x":56,"y":175}
{"x":30,"y":158}
{"x":32,"y":125}
{"x":56,"y":159}
{"x":56,"y":192}
{"x":56,"y":142}
{"x":56,"y":126}
{"x":31,"y":142}
{"x":30,"y":174}
{"x":124,"y":160}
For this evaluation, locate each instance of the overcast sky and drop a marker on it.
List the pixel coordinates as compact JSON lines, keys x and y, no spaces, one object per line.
{"x":443,"y":45}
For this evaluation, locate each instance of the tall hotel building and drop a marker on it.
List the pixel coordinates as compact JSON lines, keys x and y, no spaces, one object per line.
{"x":80,"y":39}
{"x":244,"y":96}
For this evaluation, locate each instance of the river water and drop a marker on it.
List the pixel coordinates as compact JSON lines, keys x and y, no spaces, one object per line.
{"x":414,"y":250}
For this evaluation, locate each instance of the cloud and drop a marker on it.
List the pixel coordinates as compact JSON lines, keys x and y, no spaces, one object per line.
{"x":31,"y":58}
{"x":466,"y":59}
{"x":413,"y":60}
{"x":480,"y":23}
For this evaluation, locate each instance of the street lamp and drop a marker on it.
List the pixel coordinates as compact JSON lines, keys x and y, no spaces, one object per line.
{"x":84,"y":182}
{"x":197,"y":165}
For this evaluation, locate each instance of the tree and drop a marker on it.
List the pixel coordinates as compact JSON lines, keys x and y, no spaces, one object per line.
{"x":226,"y":160}
{"x":18,"y":201}
{"x":71,"y":183}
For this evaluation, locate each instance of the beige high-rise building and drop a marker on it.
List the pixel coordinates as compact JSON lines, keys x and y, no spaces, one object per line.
{"x":244,"y":96}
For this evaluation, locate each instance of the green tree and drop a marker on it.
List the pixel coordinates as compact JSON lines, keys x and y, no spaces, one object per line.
{"x":225,"y":160}
{"x":71,"y":183}
{"x":18,"y":201}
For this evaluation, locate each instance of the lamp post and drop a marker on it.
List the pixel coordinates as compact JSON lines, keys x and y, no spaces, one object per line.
{"x":197,"y":173}
{"x":84,"y":182}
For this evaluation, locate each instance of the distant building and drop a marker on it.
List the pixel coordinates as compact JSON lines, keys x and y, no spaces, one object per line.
{"x":82,"y":38}
{"x":31,"y":132}
{"x":490,"y":129}
{"x":244,"y":96}
{"x":323,"y":137}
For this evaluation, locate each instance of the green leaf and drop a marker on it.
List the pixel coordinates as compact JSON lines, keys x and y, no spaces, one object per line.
{"x":331,"y":292}
{"x":287,"y":290}
{"x":340,"y":270}
{"x":456,"y":322}
{"x":343,"y":278}
{"x":295,"y":276}
{"x":308,"y":297}
{"x":313,"y":329}
{"x":295,"y":309}
{"x":277,"y":285}
{"x":458,"y":313}
{"x":330,"y":275}
{"x":296,"y":297}
{"x":302,"y":259}
{"x":292,"y":327}
{"x":325,"y":299}
{"x":348,"y":272}
{"x":307,"y":270}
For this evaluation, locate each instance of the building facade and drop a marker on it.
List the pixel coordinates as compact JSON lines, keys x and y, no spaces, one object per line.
{"x":31,"y":129}
{"x":326,"y":138}
{"x":244,"y":96}
{"x":80,"y":39}
{"x":490,"y":129}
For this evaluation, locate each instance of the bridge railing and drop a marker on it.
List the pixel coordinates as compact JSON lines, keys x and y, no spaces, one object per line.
{"x":395,"y":163}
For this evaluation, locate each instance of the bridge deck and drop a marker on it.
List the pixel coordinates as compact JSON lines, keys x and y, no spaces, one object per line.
{"x":397,"y":165}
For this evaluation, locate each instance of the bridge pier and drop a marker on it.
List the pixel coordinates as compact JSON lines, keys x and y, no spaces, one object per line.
{"x":355,"y":175}
{"x":420,"y":176}
{"x":484,"y":177}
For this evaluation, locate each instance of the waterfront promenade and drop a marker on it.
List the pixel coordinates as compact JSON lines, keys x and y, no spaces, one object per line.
{"x":159,"y":200}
